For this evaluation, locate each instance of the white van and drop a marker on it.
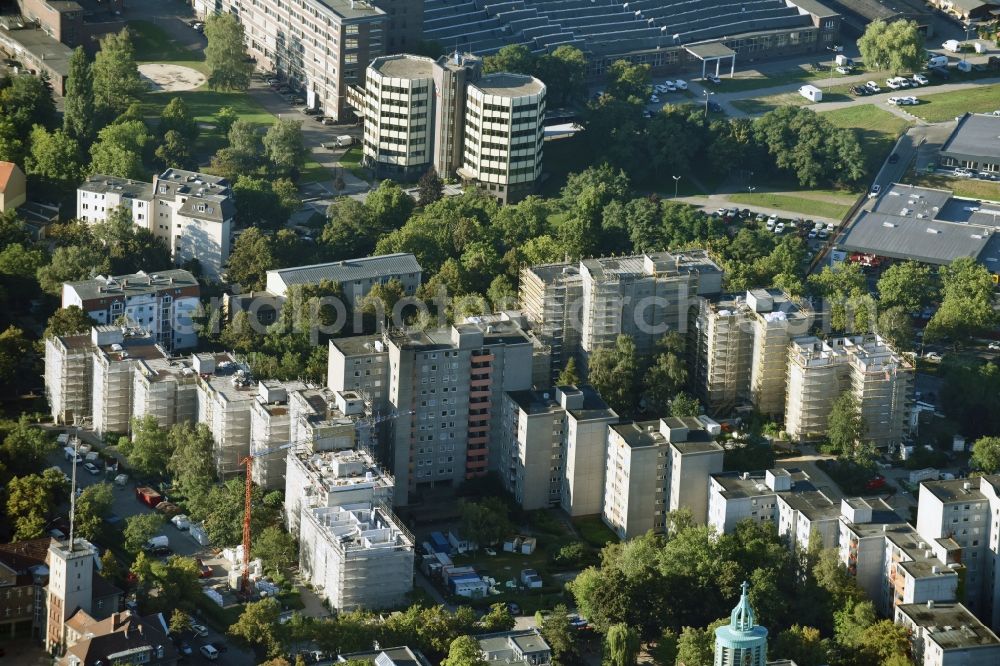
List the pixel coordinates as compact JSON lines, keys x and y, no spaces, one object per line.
{"x":345,"y":140}
{"x":952,"y":45}
{"x":938,"y":61}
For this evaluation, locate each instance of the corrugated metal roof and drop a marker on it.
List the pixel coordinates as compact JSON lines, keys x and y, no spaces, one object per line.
{"x":976,"y":138}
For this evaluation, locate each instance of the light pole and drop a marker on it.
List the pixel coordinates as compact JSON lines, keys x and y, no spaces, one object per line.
{"x":829,"y":81}
{"x":677,"y":179}
{"x":751,"y":189}
{"x":968,"y":26}
{"x":706,"y":93}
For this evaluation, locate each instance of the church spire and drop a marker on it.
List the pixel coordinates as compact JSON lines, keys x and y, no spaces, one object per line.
{"x":742,"y":617}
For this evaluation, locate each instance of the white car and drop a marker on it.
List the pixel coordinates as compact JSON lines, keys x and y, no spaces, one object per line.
{"x":995,"y":346}
{"x":713,"y":78}
{"x":874,"y":87}
{"x":681,"y":84}
{"x":209,"y":652}
{"x":920,"y":79}
{"x":876,"y":188}
{"x":653,"y":99}
{"x":771,"y":222}
{"x":893,"y":84}
{"x":893,"y":100}
{"x":908,"y":101}
{"x":779,"y":228}
{"x":181,"y":522}
{"x":660,"y":88}
{"x":671,"y":87}
{"x":811,"y":234}
{"x":932,"y":356}
{"x":199,"y":630}
{"x":843,"y":70}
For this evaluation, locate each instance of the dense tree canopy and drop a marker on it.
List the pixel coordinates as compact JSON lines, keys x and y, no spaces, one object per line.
{"x":229,"y":65}
{"x":896,"y":47}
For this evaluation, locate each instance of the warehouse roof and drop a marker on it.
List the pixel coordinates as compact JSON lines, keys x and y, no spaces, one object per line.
{"x":976,"y":136}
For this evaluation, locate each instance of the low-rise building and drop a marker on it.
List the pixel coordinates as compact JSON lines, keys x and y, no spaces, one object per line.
{"x":356,"y":556}
{"x":162,"y":303}
{"x":122,"y":638}
{"x":947,"y":634}
{"x":356,"y":277}
{"x":23,"y":576}
{"x":396,"y":656}
{"x":519,"y":647}
{"x":36,"y":50}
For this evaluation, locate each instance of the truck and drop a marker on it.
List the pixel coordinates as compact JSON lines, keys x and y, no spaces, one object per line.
{"x":928,"y":474}
{"x":952,"y":45}
{"x":811,"y":93}
{"x":148,"y":496}
{"x":844,"y":61}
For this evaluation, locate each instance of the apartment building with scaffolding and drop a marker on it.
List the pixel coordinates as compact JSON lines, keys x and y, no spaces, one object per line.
{"x":356,"y":556}
{"x":165,"y":388}
{"x":162,"y":303}
{"x":270,"y":428}
{"x":336,"y":477}
{"x":68,"y":370}
{"x":117,"y":351}
{"x":551,"y":299}
{"x":879,"y":378}
{"x":445,"y":390}
{"x":321,"y":46}
{"x":777,"y":318}
{"x":226,"y":391}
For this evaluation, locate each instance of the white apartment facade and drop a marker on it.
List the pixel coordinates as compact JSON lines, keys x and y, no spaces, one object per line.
{"x":192,"y":212}
{"x":356,"y":556}
{"x":320,"y":46}
{"x":161,"y":303}
{"x":270,"y":429}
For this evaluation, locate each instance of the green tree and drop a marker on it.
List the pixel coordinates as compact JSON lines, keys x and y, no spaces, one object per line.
{"x":25,"y":447}
{"x":621,"y":646}
{"x":26,"y":102}
{"x":845,"y":288}
{"x":614,"y":373}
{"x":250,"y":259}
{"x":177,"y":117}
{"x":627,"y":80}
{"x":16,"y":358}
{"x":139,"y":529}
{"x":276,"y":549}
{"x":498,"y":618}
{"x":258,"y":626}
{"x":430,"y":187}
{"x":11,"y":142}
{"x":895,"y":47}
{"x":464,"y":651}
{"x":229,"y":65}
{"x":485,"y":522}
{"x":348,"y":232}
{"x":388,"y":206}
{"x":808,"y":146}
{"x":668,"y":374}
{"x":111,"y":568}
{"x":191,"y":465}
{"x":568,"y":376}
{"x":54,"y":163}
{"x":967,"y":304}
{"x":559,"y":633}
{"x":986,"y":454}
{"x":257,"y":204}
{"x":908,"y":285}
{"x":69,"y":264}
{"x":93,"y":505}
{"x":894,"y":325}
{"x":696,"y":647}
{"x":78,"y":102}
{"x":30,"y":500}
{"x":180,"y":622}
{"x":514,"y":58}
{"x":175,"y":152}
{"x":119,"y":150}
{"x":284,"y":147}
{"x":803,"y":645}
{"x":224,"y":523}
{"x":564,"y":72}
{"x":116,"y":81}
{"x":148,"y":450}
{"x":845,"y":426}
{"x":224,"y":119}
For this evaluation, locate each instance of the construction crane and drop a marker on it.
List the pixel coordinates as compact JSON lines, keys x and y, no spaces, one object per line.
{"x":248,"y":461}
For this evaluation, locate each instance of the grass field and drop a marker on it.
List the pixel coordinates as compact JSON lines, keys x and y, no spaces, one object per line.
{"x":792,"y":204}
{"x":760,"y":105}
{"x":962,"y":187}
{"x":351,"y":160}
{"x":877,"y":130}
{"x":798,"y":75}
{"x":945,"y":106}
{"x":153,"y":44}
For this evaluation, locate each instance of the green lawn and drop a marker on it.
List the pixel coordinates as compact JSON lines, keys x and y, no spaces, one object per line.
{"x":759,"y":105}
{"x":594,"y":531}
{"x":945,"y":106}
{"x":877,"y":130}
{"x":351,"y":160}
{"x":792,"y":204}
{"x":807,"y":74}
{"x":153,"y":44}
{"x":963,"y":187}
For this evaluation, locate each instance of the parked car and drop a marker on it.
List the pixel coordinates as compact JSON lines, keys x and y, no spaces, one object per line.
{"x":909,"y":100}
{"x":681,"y":84}
{"x":932,"y":356}
{"x":920,"y":79}
{"x":168,"y":509}
{"x":199,"y":630}
{"x":713,"y":78}
{"x":874,"y":192}
{"x":714,"y":107}
{"x":653,"y":99}
{"x":209,"y":652}
{"x":894,"y":158}
{"x":874,"y":87}
{"x":994,"y":346}
{"x":823,"y":234}
{"x":843,"y":70}
{"x":162,"y":551}
{"x":811,"y":234}
{"x":185,"y":648}
{"x":309,"y":111}
{"x":92,"y":468}
{"x":894,"y":101}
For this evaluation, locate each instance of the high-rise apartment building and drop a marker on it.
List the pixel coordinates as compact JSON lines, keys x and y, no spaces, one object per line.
{"x":322,"y":46}
{"x":270,"y":429}
{"x":422,"y":113}
{"x":192,"y":212}
{"x":162,"y":303}
{"x":587,"y":421}
{"x":165,"y":388}
{"x":226,"y":391}
{"x":68,"y":369}
{"x":879,"y":378}
{"x":116,"y":353}
{"x":947,"y":634}
{"x":551,"y":299}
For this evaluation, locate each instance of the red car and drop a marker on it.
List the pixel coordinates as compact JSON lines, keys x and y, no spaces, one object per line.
{"x":205,"y":570}
{"x":876,"y":483}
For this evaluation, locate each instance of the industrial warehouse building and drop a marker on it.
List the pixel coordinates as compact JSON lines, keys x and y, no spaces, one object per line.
{"x":974,"y":144}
